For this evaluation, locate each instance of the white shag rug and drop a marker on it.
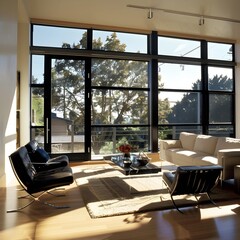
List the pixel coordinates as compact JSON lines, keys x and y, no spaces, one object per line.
{"x":108,"y":192}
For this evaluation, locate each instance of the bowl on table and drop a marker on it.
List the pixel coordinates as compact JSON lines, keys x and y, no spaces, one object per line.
{"x":143,"y":159}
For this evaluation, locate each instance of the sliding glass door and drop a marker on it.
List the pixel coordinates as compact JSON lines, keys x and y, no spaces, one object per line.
{"x":65,"y":106}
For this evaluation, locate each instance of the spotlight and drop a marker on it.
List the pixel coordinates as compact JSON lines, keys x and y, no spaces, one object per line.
{"x":201,"y":21}
{"x":150,"y":14}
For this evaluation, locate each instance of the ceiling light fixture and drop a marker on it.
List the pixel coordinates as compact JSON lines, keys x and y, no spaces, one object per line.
{"x":150,"y":14}
{"x":201,"y":21}
{"x":185,"y":14}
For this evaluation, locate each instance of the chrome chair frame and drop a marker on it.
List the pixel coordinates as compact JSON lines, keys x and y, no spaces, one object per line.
{"x":192,"y":180}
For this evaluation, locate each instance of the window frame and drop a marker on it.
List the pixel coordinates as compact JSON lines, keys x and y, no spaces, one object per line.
{"x":152,"y":57}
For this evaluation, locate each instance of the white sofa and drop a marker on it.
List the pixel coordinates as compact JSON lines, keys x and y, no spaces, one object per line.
{"x":197,"y":150}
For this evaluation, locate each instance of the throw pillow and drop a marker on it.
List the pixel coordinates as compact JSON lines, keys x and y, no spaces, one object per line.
{"x":187,"y":140}
{"x":206,"y":144}
{"x":39,"y":156}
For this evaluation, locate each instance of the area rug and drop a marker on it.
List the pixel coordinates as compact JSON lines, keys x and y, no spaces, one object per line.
{"x":107,"y":192}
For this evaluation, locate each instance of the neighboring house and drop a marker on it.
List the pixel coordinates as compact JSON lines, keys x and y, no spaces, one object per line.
{"x":63,"y":139}
{"x":60,"y":126}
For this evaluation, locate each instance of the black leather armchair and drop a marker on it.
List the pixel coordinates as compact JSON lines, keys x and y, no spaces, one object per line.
{"x":42,"y":160}
{"x":37,"y":182}
{"x":192,"y":180}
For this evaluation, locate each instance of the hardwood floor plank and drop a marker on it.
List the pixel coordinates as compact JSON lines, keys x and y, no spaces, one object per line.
{"x":41,"y":222}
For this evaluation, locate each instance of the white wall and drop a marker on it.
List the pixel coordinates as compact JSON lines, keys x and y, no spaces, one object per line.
{"x":8,"y":75}
{"x":23,"y":65}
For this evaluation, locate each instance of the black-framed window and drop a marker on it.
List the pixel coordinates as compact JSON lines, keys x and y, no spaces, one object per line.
{"x":126,"y":42}
{"x":179,"y":76}
{"x":58,"y":37}
{"x":191,"y":81}
{"x":120,"y":104}
{"x":220,"y":51}
{"x":221,"y":95}
{"x":179,"y":47}
{"x":198,"y":97}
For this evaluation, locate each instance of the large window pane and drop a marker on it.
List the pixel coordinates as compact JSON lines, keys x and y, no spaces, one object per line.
{"x":105,"y":140}
{"x":38,"y":135}
{"x":119,"y":107}
{"x":220,"y":108}
{"x":68,"y":106}
{"x":59,"y":37}
{"x":173,"y":132}
{"x":37,"y":106}
{"x":178,"y":47}
{"x":221,"y":130}
{"x":220,"y":79}
{"x":128,"y":42}
{"x":183,"y":107}
{"x":119,"y":73}
{"x":179,"y":76}
{"x":37,"y":69}
{"x":220,"y":51}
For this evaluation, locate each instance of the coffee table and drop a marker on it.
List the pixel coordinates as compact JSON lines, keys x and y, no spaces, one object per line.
{"x":135,"y":167}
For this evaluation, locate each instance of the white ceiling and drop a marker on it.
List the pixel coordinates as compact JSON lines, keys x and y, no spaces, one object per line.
{"x":116,"y":13}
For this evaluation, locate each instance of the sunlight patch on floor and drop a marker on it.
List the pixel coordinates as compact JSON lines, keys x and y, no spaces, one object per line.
{"x":78,"y":227}
{"x":220,"y":211}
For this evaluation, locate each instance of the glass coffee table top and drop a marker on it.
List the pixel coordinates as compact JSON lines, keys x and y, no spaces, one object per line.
{"x":131,"y":166}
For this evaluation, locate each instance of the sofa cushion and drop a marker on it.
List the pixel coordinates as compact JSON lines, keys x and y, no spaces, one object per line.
{"x":187,"y":140}
{"x":205,"y":144}
{"x":206,"y":160}
{"x":226,"y":143}
{"x":180,"y":156}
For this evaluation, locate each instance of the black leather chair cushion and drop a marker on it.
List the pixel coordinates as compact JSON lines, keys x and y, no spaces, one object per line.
{"x":23,"y":166}
{"x":38,"y":156}
{"x":34,"y":181}
{"x":192,"y":179}
{"x":47,"y":180}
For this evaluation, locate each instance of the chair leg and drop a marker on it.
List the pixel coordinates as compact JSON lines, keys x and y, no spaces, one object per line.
{"x":208,"y":198}
{"x":175,"y":204}
{"x":21,"y":208}
{"x":24,"y":196}
{"x":50,"y":192}
{"x":197,"y":200}
{"x":37,"y":199}
{"x":211,"y":199}
{"x":172,"y":198}
{"x":56,"y":189}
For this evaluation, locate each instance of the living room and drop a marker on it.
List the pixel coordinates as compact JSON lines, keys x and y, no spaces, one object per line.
{"x":165,"y":18}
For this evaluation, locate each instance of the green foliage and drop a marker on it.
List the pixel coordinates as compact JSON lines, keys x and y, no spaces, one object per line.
{"x":37,"y":110}
{"x":108,"y":105}
{"x":188,"y":109}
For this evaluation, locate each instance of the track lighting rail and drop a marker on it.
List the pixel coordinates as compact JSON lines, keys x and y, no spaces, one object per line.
{"x":201,"y":16}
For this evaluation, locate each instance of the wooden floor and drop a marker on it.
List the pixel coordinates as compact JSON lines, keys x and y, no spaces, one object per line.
{"x":43,"y":222}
